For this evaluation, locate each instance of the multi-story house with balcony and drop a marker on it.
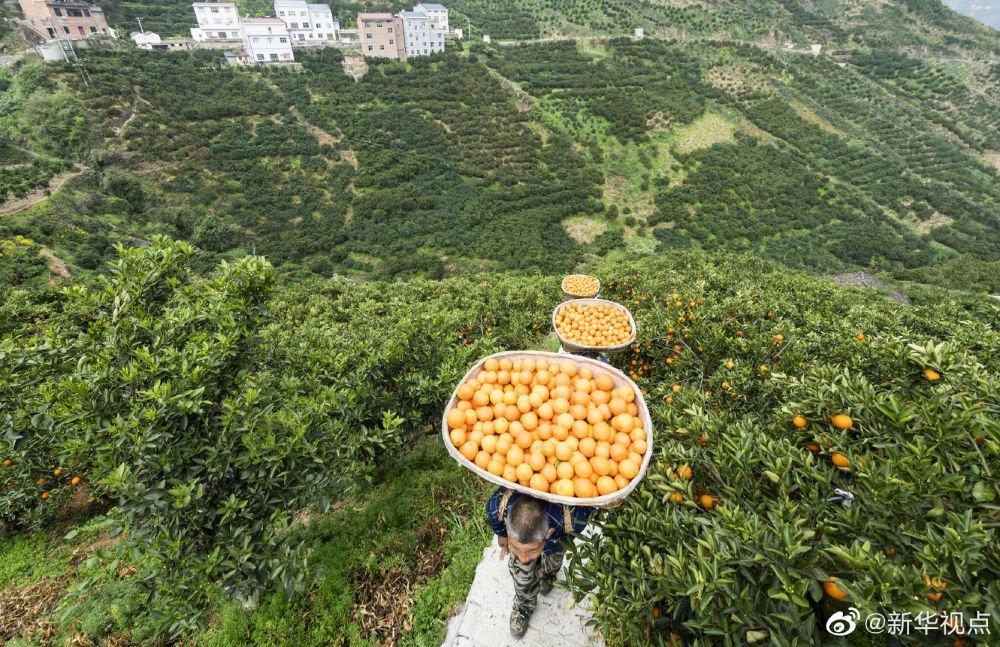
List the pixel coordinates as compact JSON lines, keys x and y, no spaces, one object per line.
{"x":308,"y":23}
{"x":381,"y":35}
{"x":421,"y":35}
{"x":65,"y":18}
{"x":267,"y":40}
{"x":217,"y":21}
{"x":435,"y":12}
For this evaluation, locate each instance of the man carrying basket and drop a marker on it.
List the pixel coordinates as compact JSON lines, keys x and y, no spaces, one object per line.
{"x":533,"y":531}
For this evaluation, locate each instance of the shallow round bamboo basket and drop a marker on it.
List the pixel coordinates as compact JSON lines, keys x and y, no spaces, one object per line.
{"x":598,"y":367}
{"x":570,"y":346}
{"x":570,"y":296}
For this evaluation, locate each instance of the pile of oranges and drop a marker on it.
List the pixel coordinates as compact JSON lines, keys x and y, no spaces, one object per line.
{"x":594,"y":324}
{"x":553,"y":427}
{"x":580,"y":285}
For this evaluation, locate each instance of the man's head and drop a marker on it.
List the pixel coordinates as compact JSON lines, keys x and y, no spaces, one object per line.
{"x":527,"y":529}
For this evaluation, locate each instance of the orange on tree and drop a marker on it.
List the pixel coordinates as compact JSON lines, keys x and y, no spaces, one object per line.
{"x":707,"y":501}
{"x":8,"y":463}
{"x":833,"y":590}
{"x":931,"y":375}
{"x":840,"y":421}
{"x":799,"y":421}
{"x":839,"y":460}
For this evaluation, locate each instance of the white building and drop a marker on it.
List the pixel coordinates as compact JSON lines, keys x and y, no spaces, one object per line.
{"x":267,"y":40}
{"x":421,"y":35}
{"x":145,"y":39}
{"x":217,"y":21}
{"x":436,"y":12}
{"x":308,"y":23}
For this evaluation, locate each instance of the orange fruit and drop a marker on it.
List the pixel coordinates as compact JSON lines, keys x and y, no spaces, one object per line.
{"x":469,"y":449}
{"x":931,"y":375}
{"x":45,"y":495}
{"x":536,"y":461}
{"x":628,"y":469}
{"x":495,"y":467}
{"x":840,"y":421}
{"x":583,"y":468}
{"x":621,"y":482}
{"x":564,"y":470}
{"x":799,"y":421}
{"x":604,"y":382}
{"x":833,"y":590}
{"x":839,"y":460}
{"x":523,"y":472}
{"x":639,"y":446}
{"x":583,"y":488}
{"x":606,"y":485}
{"x":515,"y":456}
{"x":456,"y":418}
{"x":549,"y":472}
{"x":683,"y":472}
{"x":934,"y":596}
{"x":707,"y":501}
{"x":813,"y":447}
{"x":457,"y":437}
{"x":563,"y":487}
{"x":8,"y":463}
{"x":509,"y":473}
{"x":676,"y":496}
{"x":483,"y":459}
{"x":538,"y":482}
{"x":76,"y":480}
{"x":601,"y":465}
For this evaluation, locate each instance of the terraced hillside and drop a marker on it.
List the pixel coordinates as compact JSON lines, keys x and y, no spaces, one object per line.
{"x":531,"y":157}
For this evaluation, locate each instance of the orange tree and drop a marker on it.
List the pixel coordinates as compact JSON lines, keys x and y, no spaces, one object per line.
{"x":172,"y":408}
{"x":738,"y":531}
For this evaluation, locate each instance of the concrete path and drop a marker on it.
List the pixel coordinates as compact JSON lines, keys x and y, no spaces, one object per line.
{"x":484,"y":620}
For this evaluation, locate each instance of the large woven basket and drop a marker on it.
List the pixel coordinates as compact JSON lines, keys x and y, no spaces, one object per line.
{"x":598,"y":367}
{"x":570,"y":346}
{"x":570,"y":296}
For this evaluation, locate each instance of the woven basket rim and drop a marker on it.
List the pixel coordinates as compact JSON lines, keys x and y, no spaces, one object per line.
{"x":619,"y":379}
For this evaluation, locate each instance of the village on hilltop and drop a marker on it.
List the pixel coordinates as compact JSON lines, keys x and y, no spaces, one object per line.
{"x":247,"y":40}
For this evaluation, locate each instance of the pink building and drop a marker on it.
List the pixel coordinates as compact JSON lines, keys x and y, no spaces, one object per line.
{"x":65,"y":18}
{"x":381,"y":35}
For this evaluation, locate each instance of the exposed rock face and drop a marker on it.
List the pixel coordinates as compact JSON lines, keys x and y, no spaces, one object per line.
{"x":865,"y":280}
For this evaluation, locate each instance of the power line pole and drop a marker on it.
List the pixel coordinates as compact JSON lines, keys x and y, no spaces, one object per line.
{"x":142,"y":32}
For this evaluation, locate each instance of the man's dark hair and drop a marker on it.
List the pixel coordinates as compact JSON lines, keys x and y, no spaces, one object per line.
{"x":527,"y":522}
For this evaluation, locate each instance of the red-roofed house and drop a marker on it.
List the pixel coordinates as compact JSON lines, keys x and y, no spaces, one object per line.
{"x":381,"y":35}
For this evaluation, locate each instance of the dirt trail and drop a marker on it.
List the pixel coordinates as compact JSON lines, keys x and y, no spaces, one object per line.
{"x":37,"y":195}
{"x":57,"y":266}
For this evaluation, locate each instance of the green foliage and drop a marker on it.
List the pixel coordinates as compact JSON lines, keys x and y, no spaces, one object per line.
{"x":59,"y":123}
{"x":921,"y":481}
{"x":172,"y":406}
{"x":21,"y":261}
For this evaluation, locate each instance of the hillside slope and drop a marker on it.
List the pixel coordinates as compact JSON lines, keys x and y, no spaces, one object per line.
{"x":730,"y":351}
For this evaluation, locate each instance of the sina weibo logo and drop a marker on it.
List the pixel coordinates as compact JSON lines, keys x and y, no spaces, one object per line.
{"x":841,"y":624}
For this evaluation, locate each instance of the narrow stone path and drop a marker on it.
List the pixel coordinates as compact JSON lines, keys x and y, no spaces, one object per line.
{"x":38,"y":195}
{"x":484,"y":619}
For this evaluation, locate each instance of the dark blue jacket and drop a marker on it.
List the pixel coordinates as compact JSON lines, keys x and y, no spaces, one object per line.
{"x":554,"y":511}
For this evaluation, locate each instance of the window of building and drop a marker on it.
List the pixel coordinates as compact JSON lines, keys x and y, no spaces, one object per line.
{"x":282,"y":40}
{"x":305,"y":25}
{"x":303,"y":13}
{"x":281,"y":13}
{"x":76,"y":13}
{"x":65,"y":29}
{"x":57,"y":10}
{"x":391,"y":42}
{"x":382,"y":47}
{"x":368,"y":36}
{"x":255,"y":39}
{"x":390,"y":30}
{"x":260,"y":57}
{"x":274,"y":57}
{"x":286,"y":56}
{"x":370,"y":48}
{"x":368,"y":25}
{"x":215,"y":10}
{"x":93,"y":30}
{"x":378,"y":24}
{"x":86,"y":12}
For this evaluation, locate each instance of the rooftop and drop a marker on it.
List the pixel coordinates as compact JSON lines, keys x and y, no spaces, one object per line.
{"x":433,"y":6}
{"x":213,"y":4}
{"x":374,"y":16}
{"x":413,"y":15}
{"x":322,"y":7}
{"x":263,"y":21}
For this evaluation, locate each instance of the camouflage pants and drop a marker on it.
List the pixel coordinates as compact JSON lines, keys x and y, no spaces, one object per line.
{"x":528,"y":578}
